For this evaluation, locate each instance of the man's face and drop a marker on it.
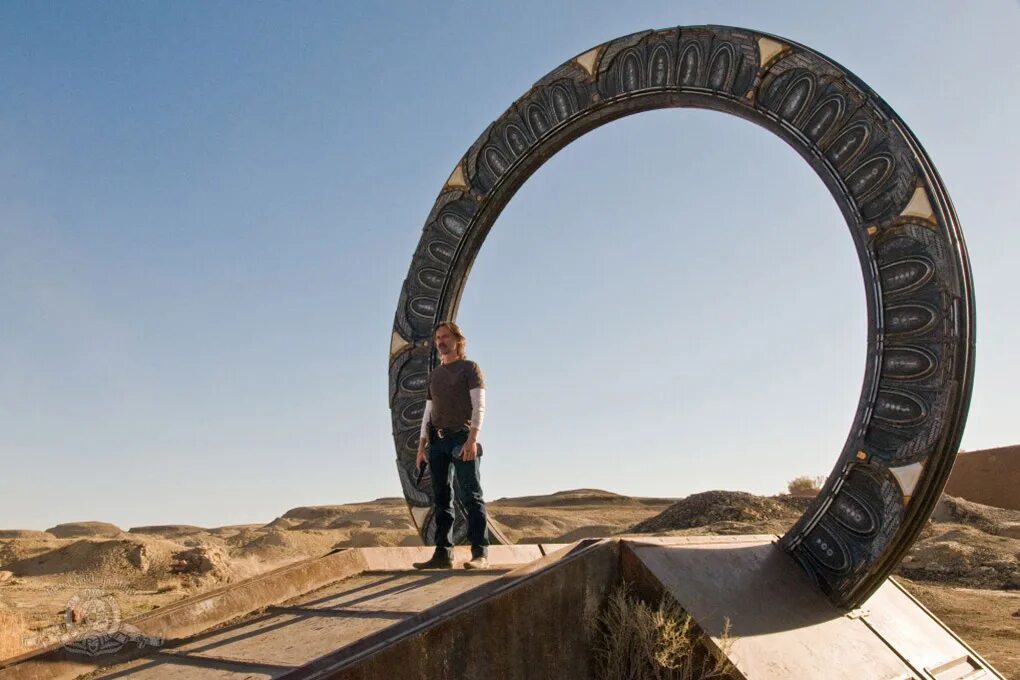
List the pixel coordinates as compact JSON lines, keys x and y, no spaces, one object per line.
{"x":446,"y":342}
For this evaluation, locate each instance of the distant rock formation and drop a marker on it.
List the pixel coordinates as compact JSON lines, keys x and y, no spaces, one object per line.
{"x":85,"y":530}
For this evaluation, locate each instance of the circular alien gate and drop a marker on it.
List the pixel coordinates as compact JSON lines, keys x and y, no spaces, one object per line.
{"x":919,"y":369}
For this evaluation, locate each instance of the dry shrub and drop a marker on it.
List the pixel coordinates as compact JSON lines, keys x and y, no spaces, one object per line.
{"x":635,"y":641}
{"x":805,"y":485}
{"x":12,"y":634}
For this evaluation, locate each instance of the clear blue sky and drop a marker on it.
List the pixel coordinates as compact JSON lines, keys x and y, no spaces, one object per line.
{"x":207,"y":210}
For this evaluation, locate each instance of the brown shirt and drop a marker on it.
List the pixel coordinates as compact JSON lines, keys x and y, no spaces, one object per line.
{"x":449,"y":389}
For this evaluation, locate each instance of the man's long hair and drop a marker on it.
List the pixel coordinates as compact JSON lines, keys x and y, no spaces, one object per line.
{"x":455,"y":329}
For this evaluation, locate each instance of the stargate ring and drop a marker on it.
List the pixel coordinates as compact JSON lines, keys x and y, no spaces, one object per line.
{"x":920,"y":352}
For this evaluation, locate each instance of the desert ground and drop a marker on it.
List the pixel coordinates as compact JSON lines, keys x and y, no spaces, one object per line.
{"x":965,"y":567}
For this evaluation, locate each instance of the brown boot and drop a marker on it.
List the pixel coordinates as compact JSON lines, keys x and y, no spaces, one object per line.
{"x":479,"y":562}
{"x":435,"y":562}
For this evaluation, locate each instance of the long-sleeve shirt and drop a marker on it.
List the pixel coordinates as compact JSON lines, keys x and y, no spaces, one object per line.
{"x":477,"y":411}
{"x":455,"y":397}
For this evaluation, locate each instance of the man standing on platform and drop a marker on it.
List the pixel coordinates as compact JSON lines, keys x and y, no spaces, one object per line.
{"x":454,"y":406}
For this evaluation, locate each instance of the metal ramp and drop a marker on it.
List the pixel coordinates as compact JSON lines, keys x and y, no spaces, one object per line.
{"x":782,"y":626}
{"x":284,"y":637}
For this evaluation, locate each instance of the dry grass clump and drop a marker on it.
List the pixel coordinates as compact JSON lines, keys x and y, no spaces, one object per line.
{"x":805,"y":485}
{"x":12,"y":634}
{"x":634,"y":641}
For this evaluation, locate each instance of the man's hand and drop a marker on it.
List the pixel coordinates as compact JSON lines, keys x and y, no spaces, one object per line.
{"x":421,"y":459}
{"x":470,"y":450}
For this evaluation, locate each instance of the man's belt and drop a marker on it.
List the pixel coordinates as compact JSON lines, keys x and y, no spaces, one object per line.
{"x":446,"y":432}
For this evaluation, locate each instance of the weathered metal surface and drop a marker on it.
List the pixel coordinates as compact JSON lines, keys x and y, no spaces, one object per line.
{"x":780,"y":627}
{"x":909,"y":420}
{"x":194,"y":615}
{"x":283,"y":638}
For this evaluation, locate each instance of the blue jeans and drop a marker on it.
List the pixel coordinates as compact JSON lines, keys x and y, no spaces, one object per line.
{"x":441,"y":460}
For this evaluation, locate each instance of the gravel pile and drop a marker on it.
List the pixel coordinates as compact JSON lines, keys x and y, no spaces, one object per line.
{"x":711,"y":507}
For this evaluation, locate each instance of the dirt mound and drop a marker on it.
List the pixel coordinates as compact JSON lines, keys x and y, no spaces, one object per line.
{"x":990,"y":477}
{"x":964,"y":555}
{"x":316,"y":513}
{"x":521,"y":528}
{"x":580,"y":512}
{"x":25,"y":533}
{"x":375,"y":519}
{"x":233,"y":530}
{"x":731,"y":509}
{"x":346,"y":523}
{"x":796,"y":503}
{"x":276,"y":544}
{"x":17,"y":549}
{"x":203,"y":562}
{"x":355,"y":515}
{"x":537,"y":526}
{"x":985,"y":517}
{"x":591,"y":531}
{"x":378,"y":537}
{"x":168,"y":530}
{"x":117,"y":560}
{"x":85,"y":530}
{"x":572,"y":497}
{"x":237,"y":536}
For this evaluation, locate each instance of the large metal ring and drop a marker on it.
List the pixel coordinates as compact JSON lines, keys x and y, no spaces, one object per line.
{"x":917,"y":382}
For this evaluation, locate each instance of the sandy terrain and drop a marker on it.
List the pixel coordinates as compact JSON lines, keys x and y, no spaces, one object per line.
{"x":48,"y":576}
{"x":965,"y":567}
